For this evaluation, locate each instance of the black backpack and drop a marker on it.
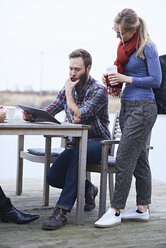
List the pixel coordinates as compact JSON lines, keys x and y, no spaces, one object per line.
{"x":160,"y":93}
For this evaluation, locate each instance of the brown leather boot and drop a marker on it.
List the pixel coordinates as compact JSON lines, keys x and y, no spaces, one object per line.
{"x":56,"y":221}
{"x":90,"y":198}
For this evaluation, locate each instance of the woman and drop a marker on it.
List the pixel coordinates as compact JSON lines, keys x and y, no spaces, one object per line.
{"x":8,"y":213}
{"x":139,"y":68}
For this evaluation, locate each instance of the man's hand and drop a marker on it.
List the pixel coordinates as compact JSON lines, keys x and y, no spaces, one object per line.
{"x":72,"y":106}
{"x":70,"y":85}
{"x":27,"y":117}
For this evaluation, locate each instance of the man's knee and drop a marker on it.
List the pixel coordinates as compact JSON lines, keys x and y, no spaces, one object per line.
{"x":54,"y":180}
{"x":94,"y":152}
{"x":50,"y":179}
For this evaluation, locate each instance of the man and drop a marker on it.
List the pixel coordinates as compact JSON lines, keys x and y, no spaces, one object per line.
{"x":84,"y":101}
{"x":8,"y":213}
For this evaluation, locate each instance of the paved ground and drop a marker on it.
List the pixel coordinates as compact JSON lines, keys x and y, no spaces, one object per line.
{"x":128,"y":234}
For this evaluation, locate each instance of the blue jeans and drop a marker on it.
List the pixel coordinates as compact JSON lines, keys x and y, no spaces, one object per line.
{"x":63,"y":173}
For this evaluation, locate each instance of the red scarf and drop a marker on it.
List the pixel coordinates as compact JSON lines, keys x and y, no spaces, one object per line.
{"x":123,"y":53}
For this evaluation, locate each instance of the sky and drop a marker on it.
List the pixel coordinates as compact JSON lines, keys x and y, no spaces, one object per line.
{"x":36,"y":37}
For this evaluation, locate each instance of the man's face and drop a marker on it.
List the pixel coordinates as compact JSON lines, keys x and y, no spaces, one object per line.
{"x":77,"y":69}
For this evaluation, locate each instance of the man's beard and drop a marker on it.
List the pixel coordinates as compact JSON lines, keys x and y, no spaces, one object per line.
{"x":83,"y":79}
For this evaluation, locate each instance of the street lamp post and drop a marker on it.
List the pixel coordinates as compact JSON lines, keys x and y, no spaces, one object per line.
{"x":41,"y":71}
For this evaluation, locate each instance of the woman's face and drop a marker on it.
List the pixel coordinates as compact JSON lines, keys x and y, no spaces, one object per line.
{"x":123,"y":34}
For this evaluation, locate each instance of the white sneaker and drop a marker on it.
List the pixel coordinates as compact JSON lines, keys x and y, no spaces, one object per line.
{"x":133,"y":215}
{"x":109,"y":219}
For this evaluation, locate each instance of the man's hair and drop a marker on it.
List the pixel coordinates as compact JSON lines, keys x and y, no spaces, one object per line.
{"x":87,"y":58}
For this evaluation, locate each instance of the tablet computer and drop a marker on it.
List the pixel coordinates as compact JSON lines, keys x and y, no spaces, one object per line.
{"x":40,"y":115}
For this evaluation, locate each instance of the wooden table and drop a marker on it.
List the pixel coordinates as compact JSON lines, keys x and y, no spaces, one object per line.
{"x":22,"y":128}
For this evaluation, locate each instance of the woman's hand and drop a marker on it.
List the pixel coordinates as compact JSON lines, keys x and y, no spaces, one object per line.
{"x":2,"y":114}
{"x":115,"y":78}
{"x":105,"y":79}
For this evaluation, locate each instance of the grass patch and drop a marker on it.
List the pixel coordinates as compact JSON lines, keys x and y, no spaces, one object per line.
{"x":10,"y":98}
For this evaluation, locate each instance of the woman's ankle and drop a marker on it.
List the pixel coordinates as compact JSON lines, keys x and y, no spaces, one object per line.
{"x":116,"y":210}
{"x":142,"y":208}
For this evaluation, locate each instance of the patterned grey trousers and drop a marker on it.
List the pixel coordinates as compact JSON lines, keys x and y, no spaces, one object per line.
{"x":136,"y":121}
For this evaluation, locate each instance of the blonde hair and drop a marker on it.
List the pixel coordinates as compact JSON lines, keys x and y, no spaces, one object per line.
{"x":128,"y":19}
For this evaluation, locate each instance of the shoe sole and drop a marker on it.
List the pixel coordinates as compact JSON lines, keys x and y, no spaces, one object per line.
{"x":89,"y":209}
{"x":18,"y":222}
{"x":53,"y":228}
{"x":106,"y":226}
{"x":135,"y":219}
